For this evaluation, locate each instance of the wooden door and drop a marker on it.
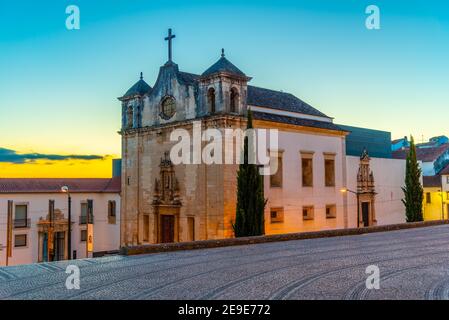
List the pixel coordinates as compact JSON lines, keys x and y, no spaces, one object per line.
{"x":167,"y":228}
{"x":365,"y":213}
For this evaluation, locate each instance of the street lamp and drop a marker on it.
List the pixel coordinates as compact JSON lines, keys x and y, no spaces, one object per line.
{"x":345,"y":190}
{"x":65,"y":189}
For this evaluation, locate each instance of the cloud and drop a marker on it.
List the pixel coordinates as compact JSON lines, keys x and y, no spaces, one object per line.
{"x":11,"y":156}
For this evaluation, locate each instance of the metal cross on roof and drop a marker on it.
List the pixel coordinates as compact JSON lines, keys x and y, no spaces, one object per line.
{"x":169,"y":39}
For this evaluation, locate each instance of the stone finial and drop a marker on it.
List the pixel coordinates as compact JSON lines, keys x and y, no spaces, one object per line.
{"x":222,"y":52}
{"x":141,"y":76}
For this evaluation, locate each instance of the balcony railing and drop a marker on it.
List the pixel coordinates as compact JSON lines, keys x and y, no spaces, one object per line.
{"x":22,"y":223}
{"x":83,"y":219}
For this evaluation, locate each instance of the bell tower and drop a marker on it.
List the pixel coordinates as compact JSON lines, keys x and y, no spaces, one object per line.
{"x":223,"y":88}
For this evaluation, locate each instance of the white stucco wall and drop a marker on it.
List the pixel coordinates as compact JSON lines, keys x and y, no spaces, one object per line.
{"x":106,"y":236}
{"x":293,"y":196}
{"x":389,"y":175}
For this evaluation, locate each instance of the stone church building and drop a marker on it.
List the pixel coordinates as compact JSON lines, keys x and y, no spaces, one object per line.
{"x":317,"y":160}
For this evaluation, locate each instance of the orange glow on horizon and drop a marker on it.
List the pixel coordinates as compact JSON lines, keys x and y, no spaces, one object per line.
{"x":101,"y":168}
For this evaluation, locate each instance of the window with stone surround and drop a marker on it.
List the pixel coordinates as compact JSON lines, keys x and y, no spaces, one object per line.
{"x":234,"y":96}
{"x":276,"y":178}
{"x":329,"y":172}
{"x":211,"y":100}
{"x":307,"y":213}
{"x":112,"y":211}
{"x":129,"y":117}
{"x":307,"y":169}
{"x":331,"y":211}
{"x":276,"y":215}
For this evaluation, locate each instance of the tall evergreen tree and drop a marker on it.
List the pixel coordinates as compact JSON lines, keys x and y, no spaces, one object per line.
{"x":249,"y":219}
{"x":413,"y":190}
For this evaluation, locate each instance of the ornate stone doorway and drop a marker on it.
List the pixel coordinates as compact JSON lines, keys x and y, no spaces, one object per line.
{"x":166,"y":203}
{"x":366,"y":214}
{"x":366,"y":192}
{"x":167,"y":228}
{"x":52,"y":237}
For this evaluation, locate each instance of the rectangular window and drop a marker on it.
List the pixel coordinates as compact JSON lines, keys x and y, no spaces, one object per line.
{"x":331,"y":211}
{"x":329,"y":172}
{"x":21,"y":216}
{"x":428,"y":198}
{"x":83,"y":235}
{"x":307,"y":172}
{"x":276,"y":177}
{"x":112,"y":208}
{"x":276,"y":215}
{"x":83,"y":217}
{"x":85,"y":207}
{"x":20,"y":240}
{"x":447,"y":179}
{"x":307,"y":213}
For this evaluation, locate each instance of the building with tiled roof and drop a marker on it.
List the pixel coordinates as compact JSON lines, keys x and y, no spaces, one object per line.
{"x":35,"y":213}
{"x":192,"y":200}
{"x":53,"y":185}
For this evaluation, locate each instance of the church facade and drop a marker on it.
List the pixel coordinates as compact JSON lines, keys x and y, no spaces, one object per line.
{"x":311,"y":189}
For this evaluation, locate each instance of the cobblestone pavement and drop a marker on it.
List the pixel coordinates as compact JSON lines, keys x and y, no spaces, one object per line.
{"x":414,"y":264}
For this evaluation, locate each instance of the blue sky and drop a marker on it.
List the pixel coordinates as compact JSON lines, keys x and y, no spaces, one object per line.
{"x":58,"y":88}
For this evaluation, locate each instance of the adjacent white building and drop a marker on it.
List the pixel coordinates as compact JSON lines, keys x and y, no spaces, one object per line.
{"x":39,"y":211}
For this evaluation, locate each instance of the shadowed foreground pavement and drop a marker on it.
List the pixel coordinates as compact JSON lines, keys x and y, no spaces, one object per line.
{"x":414,"y":264}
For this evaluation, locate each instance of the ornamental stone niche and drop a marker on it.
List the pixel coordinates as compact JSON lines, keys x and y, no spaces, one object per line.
{"x":366,"y":192}
{"x":166,"y":202}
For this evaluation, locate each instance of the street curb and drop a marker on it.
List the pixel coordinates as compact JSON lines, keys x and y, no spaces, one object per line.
{"x":204,"y":244}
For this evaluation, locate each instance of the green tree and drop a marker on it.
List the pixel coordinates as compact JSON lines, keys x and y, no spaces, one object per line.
{"x":249,"y":220}
{"x":413,"y":190}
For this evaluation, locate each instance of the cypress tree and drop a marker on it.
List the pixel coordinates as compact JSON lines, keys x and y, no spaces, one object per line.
{"x":413,"y":190}
{"x":249,"y":219}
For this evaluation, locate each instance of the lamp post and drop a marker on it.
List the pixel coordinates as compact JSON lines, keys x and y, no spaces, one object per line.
{"x":344,"y":190}
{"x":65,"y":189}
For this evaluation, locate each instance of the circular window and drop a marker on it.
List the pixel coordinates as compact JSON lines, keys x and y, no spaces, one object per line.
{"x":168,"y":107}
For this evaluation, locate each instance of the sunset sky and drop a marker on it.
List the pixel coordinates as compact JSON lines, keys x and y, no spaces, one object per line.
{"x":59,"y":113}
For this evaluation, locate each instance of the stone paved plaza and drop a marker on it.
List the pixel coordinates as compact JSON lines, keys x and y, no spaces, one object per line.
{"x":414,"y":264}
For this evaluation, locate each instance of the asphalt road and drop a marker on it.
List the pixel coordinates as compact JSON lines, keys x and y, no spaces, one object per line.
{"x":413,"y":264}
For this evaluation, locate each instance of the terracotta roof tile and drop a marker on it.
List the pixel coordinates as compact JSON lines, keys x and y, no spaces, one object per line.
{"x":296,"y":121}
{"x":431,"y":181}
{"x":53,"y":185}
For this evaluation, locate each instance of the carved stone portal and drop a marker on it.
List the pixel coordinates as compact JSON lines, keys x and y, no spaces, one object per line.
{"x":53,"y":237}
{"x":366,"y":192}
{"x":166,"y":202}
